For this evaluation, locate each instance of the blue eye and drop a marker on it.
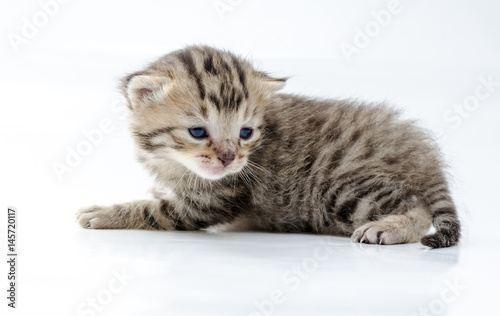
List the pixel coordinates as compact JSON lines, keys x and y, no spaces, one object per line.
{"x":198,"y":132}
{"x":246,"y":133}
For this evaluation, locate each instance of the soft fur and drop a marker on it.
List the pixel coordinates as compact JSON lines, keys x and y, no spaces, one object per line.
{"x":313,"y":166}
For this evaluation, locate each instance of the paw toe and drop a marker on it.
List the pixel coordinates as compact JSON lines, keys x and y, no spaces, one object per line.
{"x":377,"y":233}
{"x":372,"y":235}
{"x":358,"y":235}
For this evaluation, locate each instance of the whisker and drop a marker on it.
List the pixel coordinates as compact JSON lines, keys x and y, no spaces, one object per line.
{"x":259,"y":167}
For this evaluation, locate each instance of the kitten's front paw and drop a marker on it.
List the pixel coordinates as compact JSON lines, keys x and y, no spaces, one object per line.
{"x":97,"y":217}
{"x":378,"y":233}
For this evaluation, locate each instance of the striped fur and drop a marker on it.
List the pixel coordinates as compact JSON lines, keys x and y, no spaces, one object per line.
{"x":317,"y":166}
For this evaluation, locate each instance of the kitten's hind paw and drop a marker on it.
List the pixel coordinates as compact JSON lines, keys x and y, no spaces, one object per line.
{"x":378,"y":233}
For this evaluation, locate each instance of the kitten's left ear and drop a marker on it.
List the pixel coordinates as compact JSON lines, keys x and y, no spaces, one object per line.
{"x":272,"y":83}
{"x":144,"y":89}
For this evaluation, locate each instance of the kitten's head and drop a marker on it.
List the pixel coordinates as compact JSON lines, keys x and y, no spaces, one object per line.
{"x":201,"y":107}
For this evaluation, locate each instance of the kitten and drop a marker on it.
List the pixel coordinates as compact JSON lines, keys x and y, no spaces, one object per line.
{"x":225,"y":148}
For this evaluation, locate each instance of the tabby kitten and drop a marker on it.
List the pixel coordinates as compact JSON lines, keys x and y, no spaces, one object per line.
{"x":225,"y":148}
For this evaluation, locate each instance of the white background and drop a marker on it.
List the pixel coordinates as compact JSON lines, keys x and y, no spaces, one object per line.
{"x":428,"y":59}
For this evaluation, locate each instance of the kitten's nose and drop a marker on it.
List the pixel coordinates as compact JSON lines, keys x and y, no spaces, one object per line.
{"x":226,"y":159}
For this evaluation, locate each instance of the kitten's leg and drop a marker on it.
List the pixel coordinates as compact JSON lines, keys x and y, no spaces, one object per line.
{"x":436,"y":207}
{"x":136,"y":214}
{"x":143,"y":214}
{"x":395,"y":229}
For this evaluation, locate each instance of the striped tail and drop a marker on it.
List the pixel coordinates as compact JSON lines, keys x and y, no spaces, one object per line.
{"x":445,"y":220}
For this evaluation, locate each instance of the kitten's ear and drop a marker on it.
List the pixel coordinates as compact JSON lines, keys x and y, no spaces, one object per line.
{"x":142,"y":90}
{"x":272,"y":83}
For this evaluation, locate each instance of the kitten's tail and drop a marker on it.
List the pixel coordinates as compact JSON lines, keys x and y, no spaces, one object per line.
{"x":445,"y":220}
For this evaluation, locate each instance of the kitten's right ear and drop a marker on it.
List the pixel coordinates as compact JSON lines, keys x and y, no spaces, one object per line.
{"x":271,"y":83}
{"x":144,"y":90}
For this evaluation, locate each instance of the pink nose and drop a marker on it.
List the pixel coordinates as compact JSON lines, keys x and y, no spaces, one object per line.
{"x":226,"y":159}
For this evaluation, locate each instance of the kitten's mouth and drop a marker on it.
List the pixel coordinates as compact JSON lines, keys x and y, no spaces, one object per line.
{"x":213,"y":169}
{"x":218,"y":172}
